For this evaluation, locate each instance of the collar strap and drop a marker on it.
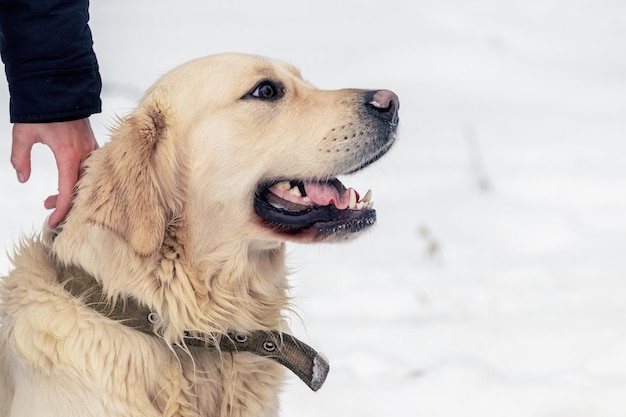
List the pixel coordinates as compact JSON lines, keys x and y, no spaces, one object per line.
{"x":310,"y":366}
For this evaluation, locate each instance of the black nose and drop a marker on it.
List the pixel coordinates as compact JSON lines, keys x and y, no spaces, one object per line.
{"x":384,"y":104}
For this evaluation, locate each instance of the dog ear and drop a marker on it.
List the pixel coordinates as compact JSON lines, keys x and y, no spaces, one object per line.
{"x":125,"y":196}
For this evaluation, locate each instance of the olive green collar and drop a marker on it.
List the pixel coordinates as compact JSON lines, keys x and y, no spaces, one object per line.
{"x":310,"y":366}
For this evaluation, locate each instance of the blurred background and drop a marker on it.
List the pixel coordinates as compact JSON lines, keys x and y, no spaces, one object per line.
{"x":495,"y":281}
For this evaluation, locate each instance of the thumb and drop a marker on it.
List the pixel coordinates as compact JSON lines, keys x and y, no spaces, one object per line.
{"x":20,"y":154}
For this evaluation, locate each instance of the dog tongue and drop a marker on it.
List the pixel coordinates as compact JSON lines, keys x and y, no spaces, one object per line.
{"x":323,"y":194}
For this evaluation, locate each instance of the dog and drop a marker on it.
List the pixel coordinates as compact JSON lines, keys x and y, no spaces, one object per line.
{"x":164,"y":291}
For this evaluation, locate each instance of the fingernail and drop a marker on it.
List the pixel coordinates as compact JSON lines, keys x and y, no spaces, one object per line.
{"x":20,"y":177}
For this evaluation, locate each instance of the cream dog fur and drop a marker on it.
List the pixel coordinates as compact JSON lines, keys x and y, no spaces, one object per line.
{"x":186,"y":211}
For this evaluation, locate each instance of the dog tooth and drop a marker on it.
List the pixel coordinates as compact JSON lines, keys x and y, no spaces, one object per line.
{"x":283,"y":186}
{"x":295,"y":191}
{"x":352,"y":204}
{"x":368,"y":197}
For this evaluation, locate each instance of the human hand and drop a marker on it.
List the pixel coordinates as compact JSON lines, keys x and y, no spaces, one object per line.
{"x":71,"y":143}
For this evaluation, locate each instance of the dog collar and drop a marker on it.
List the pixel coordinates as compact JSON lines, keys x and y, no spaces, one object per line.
{"x":310,"y":366}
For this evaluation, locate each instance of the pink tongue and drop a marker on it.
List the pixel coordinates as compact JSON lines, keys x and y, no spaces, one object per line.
{"x":324,"y":194}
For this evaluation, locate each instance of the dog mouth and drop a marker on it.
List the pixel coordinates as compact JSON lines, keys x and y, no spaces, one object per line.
{"x":317,"y":208}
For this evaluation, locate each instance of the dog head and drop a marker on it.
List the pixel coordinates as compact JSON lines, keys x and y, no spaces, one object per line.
{"x":240,"y":146}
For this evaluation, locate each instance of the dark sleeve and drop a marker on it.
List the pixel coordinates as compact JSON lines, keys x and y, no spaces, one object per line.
{"x":50,"y":64}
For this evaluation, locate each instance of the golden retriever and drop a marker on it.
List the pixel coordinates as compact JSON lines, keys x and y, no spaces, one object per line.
{"x":182,"y":218}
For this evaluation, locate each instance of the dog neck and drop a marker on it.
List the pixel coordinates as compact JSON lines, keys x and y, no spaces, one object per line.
{"x":310,"y":366}
{"x":234,"y":287}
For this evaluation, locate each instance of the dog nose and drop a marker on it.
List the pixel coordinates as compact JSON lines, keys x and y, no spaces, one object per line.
{"x":384,"y":104}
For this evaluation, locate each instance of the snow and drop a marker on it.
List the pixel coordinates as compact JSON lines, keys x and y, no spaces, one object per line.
{"x":494,"y":283}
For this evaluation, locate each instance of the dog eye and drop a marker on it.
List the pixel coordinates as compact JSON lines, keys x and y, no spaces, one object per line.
{"x":267,"y":90}
{"x":264,"y":91}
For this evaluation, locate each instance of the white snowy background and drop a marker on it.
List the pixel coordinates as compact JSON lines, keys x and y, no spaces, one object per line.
{"x":495,"y":281}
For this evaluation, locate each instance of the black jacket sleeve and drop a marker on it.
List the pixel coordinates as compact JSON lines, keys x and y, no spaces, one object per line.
{"x":47,"y":50}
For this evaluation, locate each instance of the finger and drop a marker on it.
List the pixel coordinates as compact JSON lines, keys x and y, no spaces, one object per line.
{"x":50,"y":202}
{"x":63,"y":204}
{"x":63,"y":201}
{"x":21,"y":148}
{"x":68,"y":176}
